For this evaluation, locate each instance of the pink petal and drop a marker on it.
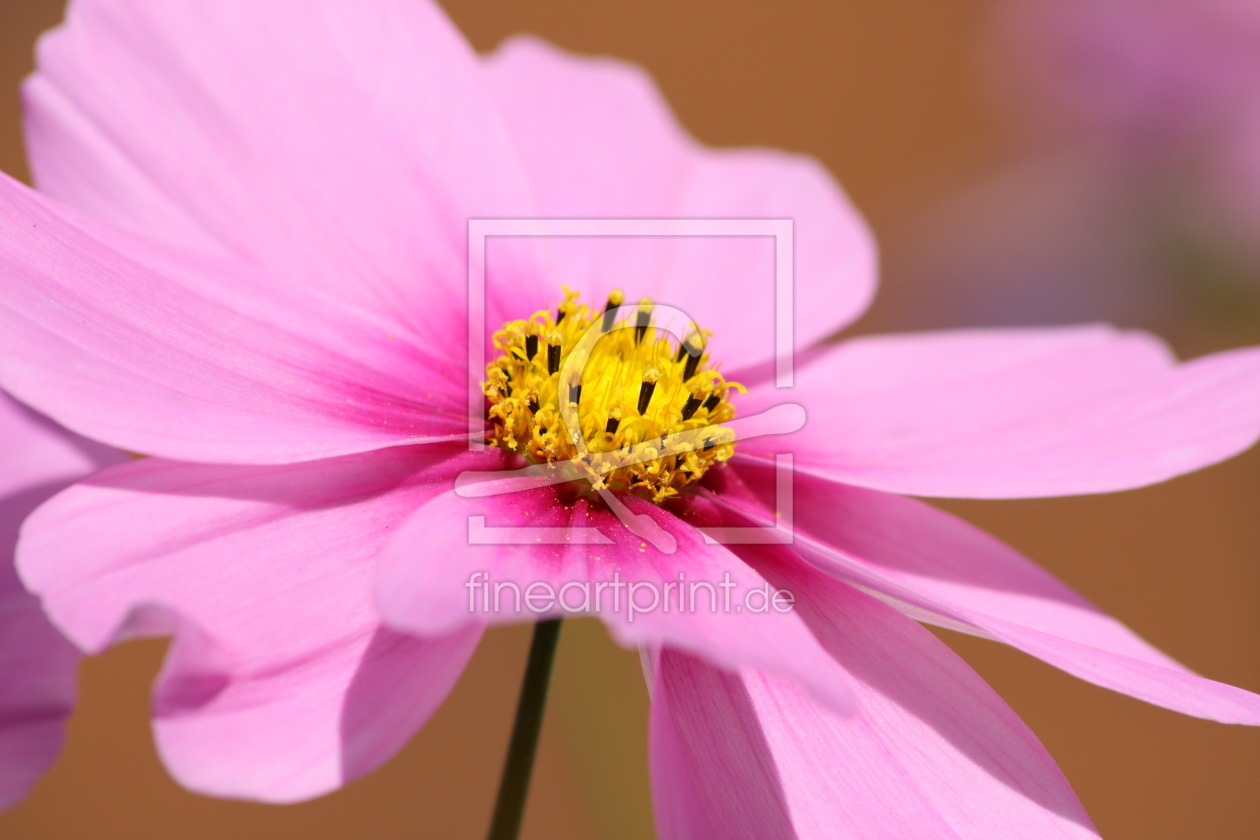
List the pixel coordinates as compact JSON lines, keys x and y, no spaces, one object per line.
{"x":932,"y":751}
{"x":676,"y":801}
{"x":282,"y":684}
{"x":1015,"y":413}
{"x":289,"y":727}
{"x":163,"y":352}
{"x":942,"y":570}
{"x":37,"y":668}
{"x":36,"y":451}
{"x":598,"y":141}
{"x":37,"y":664}
{"x":426,"y":584}
{"x":342,"y":146}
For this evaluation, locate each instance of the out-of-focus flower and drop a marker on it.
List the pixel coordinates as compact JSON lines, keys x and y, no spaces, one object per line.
{"x":1135,"y":190}
{"x":1173,"y":85}
{"x":262,"y":285}
{"x":37,"y":664}
{"x":1159,"y":73}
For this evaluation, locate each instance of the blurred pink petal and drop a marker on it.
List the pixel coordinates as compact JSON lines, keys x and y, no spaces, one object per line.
{"x":283,"y":684}
{"x":1056,"y":237}
{"x":1155,"y":71}
{"x":999,"y":414}
{"x":932,"y":751}
{"x":37,"y":664}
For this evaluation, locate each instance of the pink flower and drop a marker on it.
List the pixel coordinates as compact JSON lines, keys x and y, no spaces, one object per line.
{"x":261,"y":284}
{"x":1133,"y":190}
{"x":1156,"y":73}
{"x":1156,"y":100}
{"x":37,"y":664}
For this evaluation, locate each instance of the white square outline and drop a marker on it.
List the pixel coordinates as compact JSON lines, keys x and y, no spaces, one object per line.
{"x":783,"y":233}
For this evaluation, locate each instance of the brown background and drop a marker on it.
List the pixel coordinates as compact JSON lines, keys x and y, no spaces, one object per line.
{"x":889,"y":96}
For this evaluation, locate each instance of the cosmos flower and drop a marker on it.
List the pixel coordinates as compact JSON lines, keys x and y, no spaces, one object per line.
{"x":1171,"y":84}
{"x":1158,"y":72}
{"x":37,"y":664}
{"x":248,"y":261}
{"x":1130,"y":189}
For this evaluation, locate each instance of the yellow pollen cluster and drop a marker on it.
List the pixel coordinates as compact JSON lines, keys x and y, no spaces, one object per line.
{"x":649,"y":406}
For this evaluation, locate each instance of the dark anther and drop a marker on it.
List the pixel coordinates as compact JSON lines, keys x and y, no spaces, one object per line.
{"x":682,"y":351}
{"x":689,"y":370}
{"x":641,"y":320}
{"x":531,"y":347}
{"x":613,"y":423}
{"x":708,"y":444}
{"x":553,"y":358}
{"x":693,"y":404}
{"x":712,"y":402}
{"x":645,"y":395}
{"x":610,"y":313}
{"x":575,"y":394}
{"x":560,"y":313}
{"x":533,"y":405}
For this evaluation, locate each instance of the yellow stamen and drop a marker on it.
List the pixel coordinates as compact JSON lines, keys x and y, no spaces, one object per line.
{"x":638,"y":386}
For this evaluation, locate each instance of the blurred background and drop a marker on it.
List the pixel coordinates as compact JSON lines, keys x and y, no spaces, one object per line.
{"x":1022,"y":162}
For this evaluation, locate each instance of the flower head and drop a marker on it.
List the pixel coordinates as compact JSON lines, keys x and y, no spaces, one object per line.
{"x":274,"y":308}
{"x":649,"y":397}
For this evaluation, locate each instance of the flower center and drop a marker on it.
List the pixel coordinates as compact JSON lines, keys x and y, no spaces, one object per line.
{"x":639,"y":409}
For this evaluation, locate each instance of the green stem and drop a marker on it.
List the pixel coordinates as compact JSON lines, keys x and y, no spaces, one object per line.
{"x":514,"y":786}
